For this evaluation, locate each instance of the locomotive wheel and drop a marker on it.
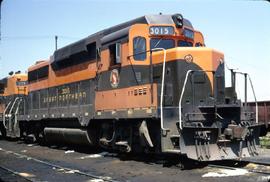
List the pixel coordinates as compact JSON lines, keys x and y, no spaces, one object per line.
{"x":39,"y":133}
{"x":40,"y":138}
{"x":3,"y":131}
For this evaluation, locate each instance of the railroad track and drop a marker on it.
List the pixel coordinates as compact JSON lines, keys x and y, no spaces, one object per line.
{"x":258,"y":171}
{"x":92,"y":177}
{"x":18,"y":176}
{"x":258,"y":162}
{"x":54,"y":166}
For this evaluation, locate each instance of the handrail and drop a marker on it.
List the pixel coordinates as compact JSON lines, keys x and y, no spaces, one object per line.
{"x":253,"y":91}
{"x":14,"y":102}
{"x":254,"y":95}
{"x":181,"y":97}
{"x":132,"y":55}
{"x":162,"y":86}
{"x":182,"y":94}
{"x":16,"y":113}
{"x":4,"y":114}
{"x":162,"y":81}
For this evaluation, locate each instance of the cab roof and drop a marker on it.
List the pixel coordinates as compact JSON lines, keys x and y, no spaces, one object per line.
{"x":104,"y":36}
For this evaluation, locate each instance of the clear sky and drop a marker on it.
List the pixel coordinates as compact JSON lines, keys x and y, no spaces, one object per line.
{"x":238,"y":28}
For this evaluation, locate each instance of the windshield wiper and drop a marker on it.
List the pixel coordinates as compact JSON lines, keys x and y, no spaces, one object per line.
{"x":157,"y":42}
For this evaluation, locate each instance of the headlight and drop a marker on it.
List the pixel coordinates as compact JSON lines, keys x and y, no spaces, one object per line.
{"x":178,"y":20}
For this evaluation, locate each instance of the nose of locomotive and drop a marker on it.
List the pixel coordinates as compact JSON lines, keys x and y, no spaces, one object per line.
{"x":205,"y":58}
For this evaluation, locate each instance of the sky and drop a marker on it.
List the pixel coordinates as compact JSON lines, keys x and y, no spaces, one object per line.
{"x":238,"y":28}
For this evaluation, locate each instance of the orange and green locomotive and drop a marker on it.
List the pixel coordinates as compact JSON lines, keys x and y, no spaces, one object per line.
{"x":146,"y":85}
{"x":13,"y":90}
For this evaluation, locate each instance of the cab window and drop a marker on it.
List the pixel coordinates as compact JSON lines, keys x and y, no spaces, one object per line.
{"x":115,"y":53}
{"x":139,"y":48}
{"x":183,"y":43}
{"x":198,"y":44}
{"x":162,"y":43}
{"x":21,"y":83}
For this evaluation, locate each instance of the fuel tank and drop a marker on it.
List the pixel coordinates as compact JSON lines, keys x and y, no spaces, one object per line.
{"x":68,"y":135}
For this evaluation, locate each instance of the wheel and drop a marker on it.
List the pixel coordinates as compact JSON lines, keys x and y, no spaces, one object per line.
{"x":3,"y":131}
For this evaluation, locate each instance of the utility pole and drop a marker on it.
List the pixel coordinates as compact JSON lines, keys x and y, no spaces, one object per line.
{"x":56,"y":38}
{"x":0,"y":32}
{"x":0,"y":18}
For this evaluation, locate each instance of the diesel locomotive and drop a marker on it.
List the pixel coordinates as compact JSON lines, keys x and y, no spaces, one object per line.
{"x":149,"y":85}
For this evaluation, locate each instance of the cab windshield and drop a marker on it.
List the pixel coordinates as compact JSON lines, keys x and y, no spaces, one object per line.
{"x":21,"y":83}
{"x":183,"y":43}
{"x":168,"y":43}
{"x":162,"y":43}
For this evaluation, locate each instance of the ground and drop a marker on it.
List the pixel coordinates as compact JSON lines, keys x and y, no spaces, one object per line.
{"x":25,"y":159}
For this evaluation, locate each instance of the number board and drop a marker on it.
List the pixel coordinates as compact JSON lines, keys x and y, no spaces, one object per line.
{"x":161,"y":30}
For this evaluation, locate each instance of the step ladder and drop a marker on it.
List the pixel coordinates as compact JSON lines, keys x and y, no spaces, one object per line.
{"x":10,"y":120}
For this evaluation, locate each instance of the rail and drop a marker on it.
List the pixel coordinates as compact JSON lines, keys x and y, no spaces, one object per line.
{"x":224,"y":166}
{"x":16,"y":174}
{"x":46,"y":163}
